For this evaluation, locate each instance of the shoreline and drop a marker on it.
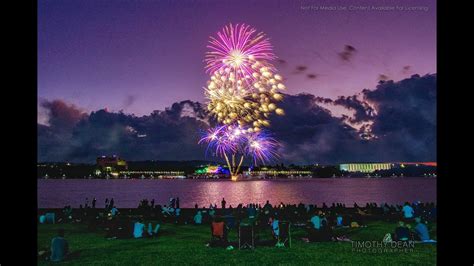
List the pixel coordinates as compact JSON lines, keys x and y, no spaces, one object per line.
{"x":252,"y":179}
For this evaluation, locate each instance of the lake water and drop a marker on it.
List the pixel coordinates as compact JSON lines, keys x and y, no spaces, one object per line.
{"x":128,"y":193}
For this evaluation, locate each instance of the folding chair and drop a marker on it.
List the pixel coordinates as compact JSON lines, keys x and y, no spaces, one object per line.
{"x":230,"y":221}
{"x":246,"y":236}
{"x":217,"y":231}
{"x":285,"y":233}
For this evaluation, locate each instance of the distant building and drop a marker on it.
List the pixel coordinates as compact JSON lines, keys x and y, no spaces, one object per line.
{"x":111,"y":164}
{"x":271,"y":172}
{"x":372,"y":167}
{"x":365,"y":167}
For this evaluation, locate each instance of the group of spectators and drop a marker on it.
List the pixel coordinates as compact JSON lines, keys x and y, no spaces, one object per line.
{"x":320,"y":222}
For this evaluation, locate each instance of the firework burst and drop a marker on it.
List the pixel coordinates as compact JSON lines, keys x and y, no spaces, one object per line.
{"x":237,"y":47}
{"x":261,"y":147}
{"x":243,"y":91}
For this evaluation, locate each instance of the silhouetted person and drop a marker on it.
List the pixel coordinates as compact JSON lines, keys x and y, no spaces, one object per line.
{"x":402,"y":233}
{"x":177,"y":203}
{"x":106,"y":203}
{"x":223,"y":203}
{"x":93,"y":203}
{"x":111,"y":204}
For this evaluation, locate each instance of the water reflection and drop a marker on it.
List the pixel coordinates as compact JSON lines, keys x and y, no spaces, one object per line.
{"x":127,"y":193}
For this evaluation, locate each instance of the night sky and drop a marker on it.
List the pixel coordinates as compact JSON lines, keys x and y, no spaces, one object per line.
{"x":141,"y":56}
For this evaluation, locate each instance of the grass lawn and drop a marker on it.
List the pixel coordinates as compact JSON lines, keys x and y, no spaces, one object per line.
{"x":185,"y":244}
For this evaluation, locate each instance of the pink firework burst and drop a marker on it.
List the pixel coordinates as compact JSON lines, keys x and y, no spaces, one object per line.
{"x":237,"y":48}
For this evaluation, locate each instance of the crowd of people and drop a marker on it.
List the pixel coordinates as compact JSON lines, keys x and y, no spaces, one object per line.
{"x":321,"y":223}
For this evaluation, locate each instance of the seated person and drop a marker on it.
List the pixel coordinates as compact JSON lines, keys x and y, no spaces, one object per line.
{"x":401,"y":232}
{"x":198,"y":218}
{"x":275,"y":227}
{"x":138,"y":229}
{"x":326,"y":233}
{"x":151,"y":231}
{"x":212,"y":212}
{"x":59,"y":247}
{"x":407,"y":211}
{"x":316,"y":221}
{"x":421,"y":230}
{"x":251,"y":212}
{"x":339,"y":220}
{"x":114,"y":211}
{"x":42,"y":219}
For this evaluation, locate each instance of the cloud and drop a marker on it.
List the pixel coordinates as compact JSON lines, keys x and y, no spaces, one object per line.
{"x":383,"y":77}
{"x":363,"y":111}
{"x":129,"y":101}
{"x":347,"y":53}
{"x":401,"y":114}
{"x":312,"y":76}
{"x":407,"y":70}
{"x":301,"y":68}
{"x":61,"y":115}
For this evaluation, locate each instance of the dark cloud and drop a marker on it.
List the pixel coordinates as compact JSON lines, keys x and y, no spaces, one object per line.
{"x":402,"y":114}
{"x":129,"y":101}
{"x":406,"y":70}
{"x":323,"y":100}
{"x":347,"y":53}
{"x":383,"y":77}
{"x":281,"y":61}
{"x":363,"y":111}
{"x":312,"y":76}
{"x":301,"y":68}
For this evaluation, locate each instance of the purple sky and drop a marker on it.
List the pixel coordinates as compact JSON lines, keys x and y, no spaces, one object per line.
{"x":143,"y":55}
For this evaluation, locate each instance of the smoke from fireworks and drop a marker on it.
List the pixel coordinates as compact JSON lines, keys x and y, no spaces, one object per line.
{"x":242,"y":93}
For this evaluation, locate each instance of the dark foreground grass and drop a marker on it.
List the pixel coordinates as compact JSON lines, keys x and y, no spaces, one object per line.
{"x":185,"y":244}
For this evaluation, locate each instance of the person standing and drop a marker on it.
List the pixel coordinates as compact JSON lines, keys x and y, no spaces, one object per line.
{"x":223,"y":202}
{"x":93,"y":202}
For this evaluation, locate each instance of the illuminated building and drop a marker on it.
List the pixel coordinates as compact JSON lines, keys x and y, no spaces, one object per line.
{"x":158,"y":174}
{"x":372,"y":167}
{"x":365,"y":167}
{"x":111,"y":164}
{"x":278,"y":173}
{"x":211,"y":169}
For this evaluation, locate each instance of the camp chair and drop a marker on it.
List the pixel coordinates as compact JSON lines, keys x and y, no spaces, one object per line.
{"x":285,"y":233}
{"x":230,"y":221}
{"x":217,"y":231}
{"x":246,"y":236}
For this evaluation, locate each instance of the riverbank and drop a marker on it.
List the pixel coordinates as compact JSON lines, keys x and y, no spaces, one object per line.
{"x":184,"y":244}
